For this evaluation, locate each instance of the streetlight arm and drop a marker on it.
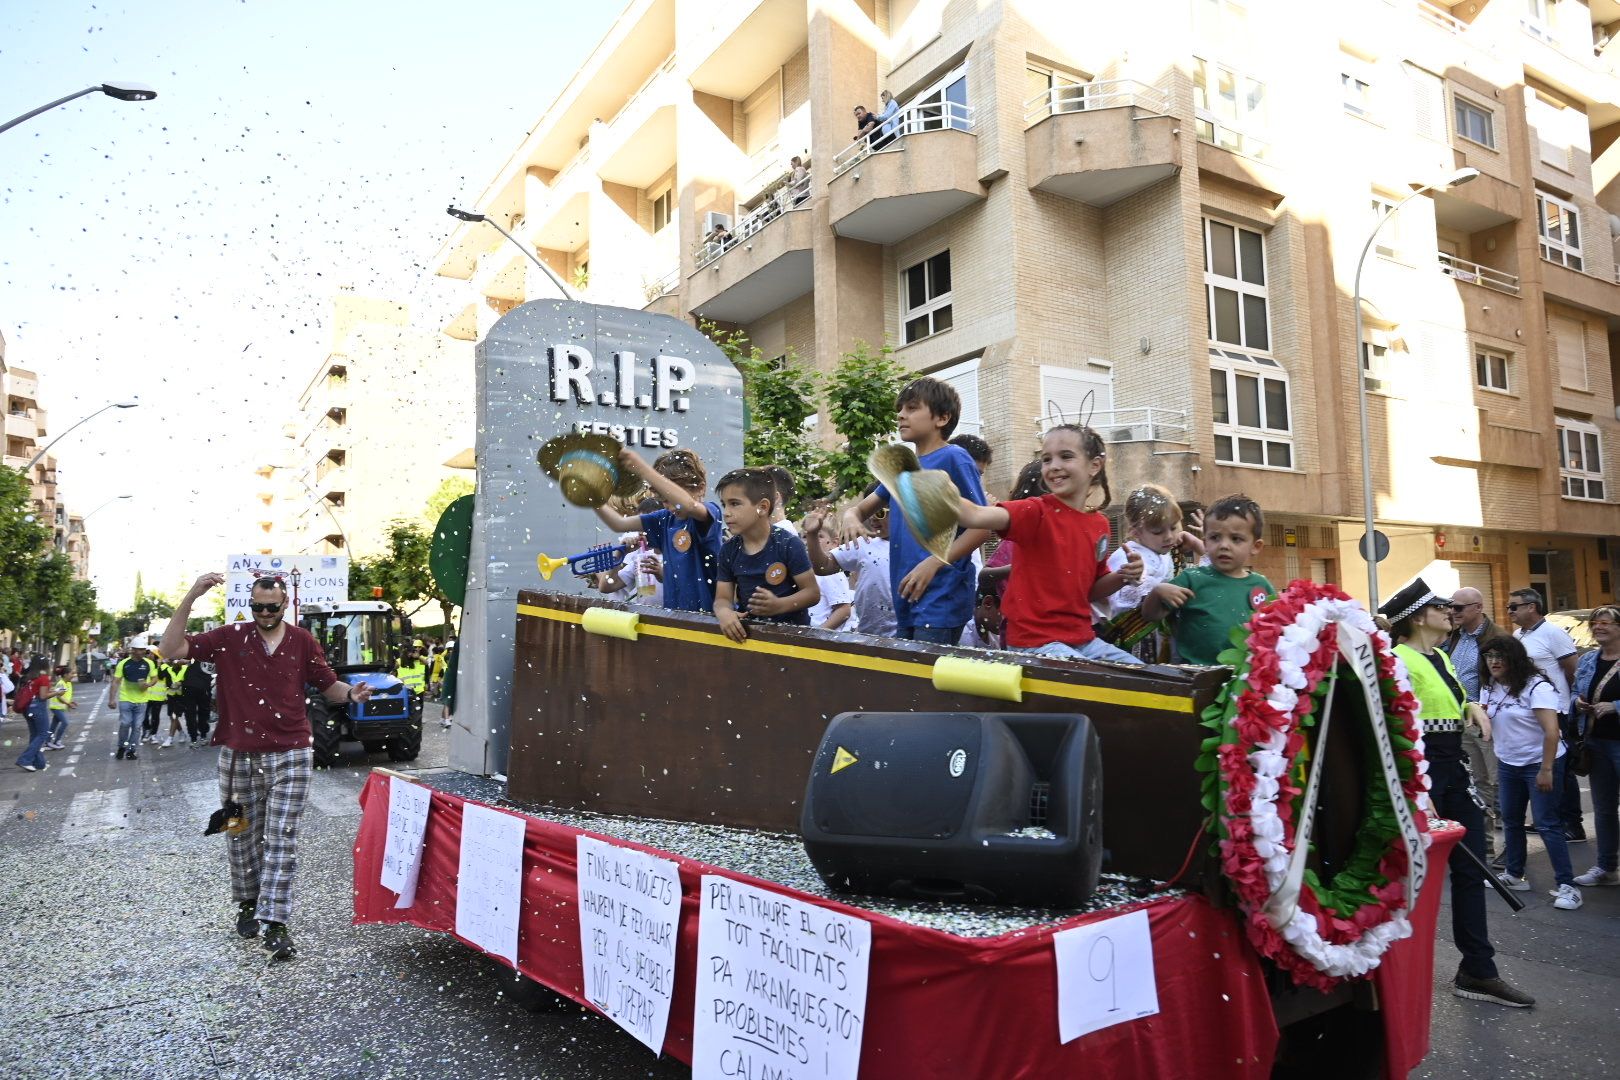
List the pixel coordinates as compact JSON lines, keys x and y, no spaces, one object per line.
{"x":29,"y":468}
{"x":472,"y":218}
{"x":9,"y":124}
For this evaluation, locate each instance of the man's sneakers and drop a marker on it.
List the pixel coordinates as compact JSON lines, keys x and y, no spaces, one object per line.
{"x":1517,"y":884}
{"x":1597,"y":876}
{"x":1497,"y":990}
{"x":1575,"y":834}
{"x":277,"y":942}
{"x":1566,"y":898}
{"x":247,"y":923}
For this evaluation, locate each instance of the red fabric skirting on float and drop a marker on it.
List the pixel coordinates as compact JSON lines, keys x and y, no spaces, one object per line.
{"x":937,"y":1004}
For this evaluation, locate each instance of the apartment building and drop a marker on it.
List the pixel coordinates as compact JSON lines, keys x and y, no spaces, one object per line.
{"x":1153,"y":217}
{"x":366,"y":444}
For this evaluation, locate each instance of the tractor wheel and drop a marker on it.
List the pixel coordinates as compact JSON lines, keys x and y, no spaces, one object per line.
{"x":406,"y":747}
{"x":326,"y":725}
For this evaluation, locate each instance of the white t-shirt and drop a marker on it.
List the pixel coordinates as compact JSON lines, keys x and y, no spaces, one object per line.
{"x":835,"y":590}
{"x":1547,"y":645}
{"x":868,"y":560}
{"x":1515,"y":732}
{"x":1157,"y":569}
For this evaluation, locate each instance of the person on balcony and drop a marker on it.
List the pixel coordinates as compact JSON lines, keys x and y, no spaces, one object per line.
{"x":888,"y":121}
{"x":798,"y":188}
{"x":866,"y":125}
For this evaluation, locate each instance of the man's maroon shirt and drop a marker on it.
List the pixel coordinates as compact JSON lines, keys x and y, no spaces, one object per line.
{"x":259,"y":695}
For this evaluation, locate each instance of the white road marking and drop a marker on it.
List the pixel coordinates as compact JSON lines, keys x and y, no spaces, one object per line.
{"x":66,"y":771}
{"x":95,"y":814}
{"x":73,"y":759}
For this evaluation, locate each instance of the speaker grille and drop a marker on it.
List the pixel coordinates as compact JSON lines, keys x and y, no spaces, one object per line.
{"x":1040,"y":798}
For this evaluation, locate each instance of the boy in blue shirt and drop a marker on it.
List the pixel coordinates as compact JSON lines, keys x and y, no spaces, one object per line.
{"x":764,"y":571}
{"x":686,"y":531}
{"x":933,"y":600}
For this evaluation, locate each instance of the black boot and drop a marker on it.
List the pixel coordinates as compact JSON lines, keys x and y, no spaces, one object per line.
{"x":277,"y":942}
{"x":247,"y":923}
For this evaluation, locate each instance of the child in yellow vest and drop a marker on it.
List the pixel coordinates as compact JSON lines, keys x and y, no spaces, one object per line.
{"x":60,"y":704}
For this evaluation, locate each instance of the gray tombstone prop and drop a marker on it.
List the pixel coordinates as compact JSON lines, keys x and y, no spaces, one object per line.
{"x":548,"y":367}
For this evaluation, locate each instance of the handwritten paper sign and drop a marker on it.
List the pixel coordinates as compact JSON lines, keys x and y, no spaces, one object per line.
{"x":781,"y":986}
{"x":1105,"y":974}
{"x":490,"y":880}
{"x":407,"y":822}
{"x":629,"y":905}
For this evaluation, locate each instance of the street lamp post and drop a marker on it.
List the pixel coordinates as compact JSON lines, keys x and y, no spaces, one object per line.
{"x":29,"y":468}
{"x":103,"y":506}
{"x":123,"y":91}
{"x":469,"y":216}
{"x":1369,"y":549}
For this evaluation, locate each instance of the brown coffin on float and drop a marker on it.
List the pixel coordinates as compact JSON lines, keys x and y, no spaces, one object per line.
{"x":685,"y":725}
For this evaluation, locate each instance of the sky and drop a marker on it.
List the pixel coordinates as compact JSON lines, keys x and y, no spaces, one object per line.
{"x":184,"y":251}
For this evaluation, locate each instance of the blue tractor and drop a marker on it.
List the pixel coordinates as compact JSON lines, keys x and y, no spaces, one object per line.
{"x":363,"y":640}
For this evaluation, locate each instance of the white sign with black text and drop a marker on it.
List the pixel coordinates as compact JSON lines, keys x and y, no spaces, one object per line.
{"x":320,"y":579}
{"x":489,"y":880}
{"x":1105,"y":974}
{"x":629,"y":913}
{"x":408,"y":806}
{"x":781,"y":986}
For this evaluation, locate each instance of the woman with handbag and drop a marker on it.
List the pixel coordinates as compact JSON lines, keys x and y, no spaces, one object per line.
{"x":1530,"y":760}
{"x":1597,"y":690}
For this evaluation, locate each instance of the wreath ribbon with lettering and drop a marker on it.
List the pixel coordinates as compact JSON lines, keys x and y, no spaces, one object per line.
{"x":1287,"y":659}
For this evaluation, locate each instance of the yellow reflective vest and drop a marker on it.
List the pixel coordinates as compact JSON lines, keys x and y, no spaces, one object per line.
{"x":64,"y":694}
{"x":414,"y":676}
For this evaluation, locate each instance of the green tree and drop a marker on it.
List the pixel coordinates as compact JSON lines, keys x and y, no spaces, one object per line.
{"x":401,"y":571}
{"x":65,"y":605}
{"x":449,"y":490}
{"x":780,"y":396}
{"x":860,"y":404}
{"x":148,"y":608}
{"x":23,"y":542}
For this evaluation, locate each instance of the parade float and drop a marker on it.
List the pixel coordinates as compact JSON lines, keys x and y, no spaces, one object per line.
{"x":670,"y":827}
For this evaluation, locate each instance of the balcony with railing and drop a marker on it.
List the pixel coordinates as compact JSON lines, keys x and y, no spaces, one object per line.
{"x":561,"y":219}
{"x":637,"y":145}
{"x":1098,"y":142}
{"x":762,"y":263}
{"x":1477,"y":274}
{"x":1439,"y":17}
{"x":1135,"y":425}
{"x":919,"y":168}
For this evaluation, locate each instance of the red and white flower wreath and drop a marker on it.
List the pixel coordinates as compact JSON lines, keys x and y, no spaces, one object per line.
{"x":1342,"y":928}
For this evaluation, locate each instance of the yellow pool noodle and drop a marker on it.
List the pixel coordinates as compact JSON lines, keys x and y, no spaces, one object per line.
{"x":611,"y":622}
{"x":983,"y":678}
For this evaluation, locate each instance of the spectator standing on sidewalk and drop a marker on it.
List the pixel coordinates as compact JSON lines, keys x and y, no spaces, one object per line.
{"x":265,"y":760}
{"x":130,"y":679}
{"x":1597,"y":686}
{"x":1471,"y":632}
{"x":1553,"y":652}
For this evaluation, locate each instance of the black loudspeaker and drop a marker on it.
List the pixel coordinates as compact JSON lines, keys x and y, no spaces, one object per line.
{"x":996,"y":807}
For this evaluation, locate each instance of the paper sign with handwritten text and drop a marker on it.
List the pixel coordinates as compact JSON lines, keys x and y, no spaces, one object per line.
{"x":1105,"y":974}
{"x":781,"y":986}
{"x":629,"y":908}
{"x":408,"y":805}
{"x":490,"y":880}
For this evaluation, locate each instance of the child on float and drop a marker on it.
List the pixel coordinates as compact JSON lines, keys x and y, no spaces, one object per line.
{"x":685,"y":533}
{"x":640,"y":576}
{"x":865,"y":560}
{"x":835,"y":610}
{"x":984,"y":631}
{"x":1204,"y":604}
{"x":1062,"y":543}
{"x":763,"y":572}
{"x":1155,"y":529}
{"x":933,"y":598}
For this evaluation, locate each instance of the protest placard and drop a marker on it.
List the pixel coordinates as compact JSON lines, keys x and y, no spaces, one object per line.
{"x":408,"y":805}
{"x":1105,"y":974}
{"x":489,"y":881}
{"x":781,"y":986}
{"x":629,"y":908}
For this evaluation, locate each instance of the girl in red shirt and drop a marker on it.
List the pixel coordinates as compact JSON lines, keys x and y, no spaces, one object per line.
{"x":1062,"y":551}
{"x":33,"y":701}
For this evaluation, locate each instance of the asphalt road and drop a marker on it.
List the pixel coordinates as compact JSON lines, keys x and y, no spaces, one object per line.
{"x":118,"y":955}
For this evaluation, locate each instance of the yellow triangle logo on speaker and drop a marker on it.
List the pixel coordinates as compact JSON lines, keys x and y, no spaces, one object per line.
{"x":843,"y":759}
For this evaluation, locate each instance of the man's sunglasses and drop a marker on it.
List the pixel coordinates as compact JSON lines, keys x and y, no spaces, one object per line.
{"x":1525,"y":603}
{"x":268,"y":609}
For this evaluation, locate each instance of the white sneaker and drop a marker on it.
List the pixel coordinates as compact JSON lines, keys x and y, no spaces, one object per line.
{"x":167,"y":743}
{"x":1567,"y":898}
{"x":1517,"y":884}
{"x":1597,"y":876}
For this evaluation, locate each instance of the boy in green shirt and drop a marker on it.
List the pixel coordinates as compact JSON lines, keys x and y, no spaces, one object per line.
{"x":1204,"y":603}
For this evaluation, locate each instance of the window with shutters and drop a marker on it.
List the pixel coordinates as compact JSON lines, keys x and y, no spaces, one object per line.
{"x":1050,"y":90}
{"x":964,"y":379}
{"x":1491,"y":370}
{"x":1580,"y":459}
{"x":1569,"y":343}
{"x":1229,"y":107}
{"x":1249,"y":399}
{"x":1235,"y":285}
{"x":1428,"y":92}
{"x":925,"y":298}
{"x":1473,"y":121}
{"x":1078,"y":396}
{"x":1559,"y":223}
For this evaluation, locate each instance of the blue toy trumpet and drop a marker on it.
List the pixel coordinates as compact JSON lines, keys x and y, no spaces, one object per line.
{"x":598,"y":560}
